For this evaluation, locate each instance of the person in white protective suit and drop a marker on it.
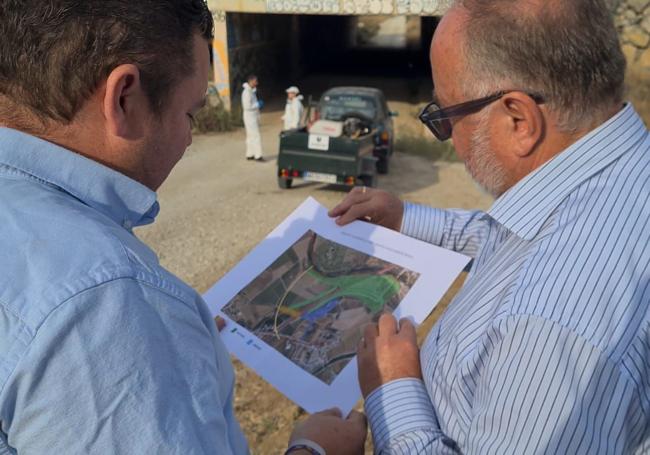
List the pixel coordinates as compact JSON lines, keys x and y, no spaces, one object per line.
{"x":251,"y":109}
{"x":293,"y":110}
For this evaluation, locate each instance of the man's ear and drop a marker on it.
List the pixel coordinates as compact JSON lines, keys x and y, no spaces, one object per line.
{"x":524,"y":121}
{"x":125,"y":102}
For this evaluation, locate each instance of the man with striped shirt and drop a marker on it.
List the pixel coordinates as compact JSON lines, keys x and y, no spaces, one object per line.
{"x":546,"y":349}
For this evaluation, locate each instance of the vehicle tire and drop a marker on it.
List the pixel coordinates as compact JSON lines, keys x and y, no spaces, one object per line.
{"x":285,"y":184}
{"x":382,"y":165}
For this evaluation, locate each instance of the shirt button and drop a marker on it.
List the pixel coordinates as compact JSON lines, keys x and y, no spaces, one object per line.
{"x":127,"y":224}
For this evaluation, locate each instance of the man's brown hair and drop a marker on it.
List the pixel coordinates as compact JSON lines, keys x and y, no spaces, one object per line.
{"x":55,"y":53}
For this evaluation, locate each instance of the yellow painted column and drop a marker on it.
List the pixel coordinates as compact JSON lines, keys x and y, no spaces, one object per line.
{"x":220,"y":53}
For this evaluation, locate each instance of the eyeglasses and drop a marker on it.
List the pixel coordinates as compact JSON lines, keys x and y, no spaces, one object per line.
{"x":438,"y":119}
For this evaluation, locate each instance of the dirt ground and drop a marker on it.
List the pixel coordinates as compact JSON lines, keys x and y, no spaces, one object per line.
{"x":216,"y":206}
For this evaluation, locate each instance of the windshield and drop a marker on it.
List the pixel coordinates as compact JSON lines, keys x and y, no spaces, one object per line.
{"x":335,"y":107}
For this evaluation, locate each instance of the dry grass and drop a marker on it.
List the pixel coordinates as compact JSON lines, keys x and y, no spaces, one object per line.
{"x":425,"y":147}
{"x":215,"y":118}
{"x":413,"y":138}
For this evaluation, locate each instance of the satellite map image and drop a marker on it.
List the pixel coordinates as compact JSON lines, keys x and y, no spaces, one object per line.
{"x":313,"y":302}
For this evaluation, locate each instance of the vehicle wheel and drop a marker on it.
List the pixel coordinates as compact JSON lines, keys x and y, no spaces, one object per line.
{"x":382,"y":165}
{"x":369,"y":180}
{"x":285,"y":184}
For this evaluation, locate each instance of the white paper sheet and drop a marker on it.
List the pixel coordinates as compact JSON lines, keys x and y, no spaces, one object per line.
{"x":315,"y":299}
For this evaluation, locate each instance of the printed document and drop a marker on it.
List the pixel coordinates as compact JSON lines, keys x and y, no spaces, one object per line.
{"x":296,"y":305}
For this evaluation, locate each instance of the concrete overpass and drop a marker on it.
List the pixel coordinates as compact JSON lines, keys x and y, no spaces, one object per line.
{"x":283,"y":40}
{"x":338,"y":7}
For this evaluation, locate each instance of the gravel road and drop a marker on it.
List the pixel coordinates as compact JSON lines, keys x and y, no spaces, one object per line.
{"x":216,"y":206}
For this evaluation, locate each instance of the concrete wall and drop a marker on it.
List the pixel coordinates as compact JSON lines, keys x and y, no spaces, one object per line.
{"x":344,"y":7}
{"x":221,"y":60}
{"x":259,"y":44}
{"x":269,"y":45}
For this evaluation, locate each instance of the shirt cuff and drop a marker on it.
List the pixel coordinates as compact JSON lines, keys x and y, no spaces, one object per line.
{"x":423,"y":223}
{"x":399,"y":407}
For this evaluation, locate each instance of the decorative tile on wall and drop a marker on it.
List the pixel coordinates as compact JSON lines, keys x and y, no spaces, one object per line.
{"x":304,"y":6}
{"x":358,"y":7}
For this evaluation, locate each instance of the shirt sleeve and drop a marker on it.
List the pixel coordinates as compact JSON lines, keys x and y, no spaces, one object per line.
{"x":463,"y":231}
{"x":124,"y":368}
{"x":402,"y":420}
{"x":248,"y":100}
{"x":542,"y":389}
{"x":297,"y":112}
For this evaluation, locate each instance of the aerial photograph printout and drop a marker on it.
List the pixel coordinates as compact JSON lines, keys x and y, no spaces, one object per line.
{"x":312,"y":303}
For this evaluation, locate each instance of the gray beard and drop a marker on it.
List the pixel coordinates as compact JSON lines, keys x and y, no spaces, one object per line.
{"x":481,"y":162}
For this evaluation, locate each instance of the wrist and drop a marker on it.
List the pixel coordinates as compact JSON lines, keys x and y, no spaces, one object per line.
{"x":304,"y":447}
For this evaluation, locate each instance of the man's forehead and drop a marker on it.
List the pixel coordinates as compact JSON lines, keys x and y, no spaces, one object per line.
{"x":450,"y":30}
{"x":191,"y":90}
{"x":446,"y":56}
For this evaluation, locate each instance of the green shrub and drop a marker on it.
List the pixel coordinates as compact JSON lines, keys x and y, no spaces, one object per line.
{"x":425,"y":147}
{"x":414,"y":139}
{"x":237,"y":116}
{"x":214,"y":117}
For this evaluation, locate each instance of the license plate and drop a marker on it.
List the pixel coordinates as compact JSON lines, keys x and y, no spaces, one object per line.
{"x":318,"y":177}
{"x":319,"y":142}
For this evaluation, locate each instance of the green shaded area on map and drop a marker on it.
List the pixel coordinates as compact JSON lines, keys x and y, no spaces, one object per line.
{"x":373,"y":291}
{"x":312,"y":303}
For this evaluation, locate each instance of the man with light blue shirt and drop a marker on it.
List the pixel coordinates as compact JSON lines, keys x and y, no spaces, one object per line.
{"x":546,"y":348}
{"x":103,"y":351}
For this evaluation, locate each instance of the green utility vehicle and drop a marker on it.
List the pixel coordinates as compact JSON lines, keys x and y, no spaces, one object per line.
{"x":347,"y":140}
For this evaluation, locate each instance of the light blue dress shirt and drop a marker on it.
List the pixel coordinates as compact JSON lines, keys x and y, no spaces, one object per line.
{"x":102,"y":351}
{"x":546,"y":349}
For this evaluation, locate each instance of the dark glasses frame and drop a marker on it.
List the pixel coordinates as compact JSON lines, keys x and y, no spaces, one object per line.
{"x":438,"y":121}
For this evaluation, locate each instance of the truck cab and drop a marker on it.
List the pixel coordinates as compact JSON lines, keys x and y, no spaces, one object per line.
{"x":348,"y":139}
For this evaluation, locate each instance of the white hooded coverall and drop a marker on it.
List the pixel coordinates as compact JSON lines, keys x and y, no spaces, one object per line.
{"x":293,"y":113}
{"x":251,"y":109}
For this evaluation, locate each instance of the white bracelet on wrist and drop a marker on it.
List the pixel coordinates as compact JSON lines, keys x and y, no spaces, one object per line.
{"x":305,"y":444}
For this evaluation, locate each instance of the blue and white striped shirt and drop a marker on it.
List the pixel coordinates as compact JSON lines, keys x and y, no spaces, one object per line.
{"x":546,"y":348}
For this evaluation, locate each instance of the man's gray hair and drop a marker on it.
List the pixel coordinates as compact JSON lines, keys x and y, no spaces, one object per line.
{"x":564,"y":50}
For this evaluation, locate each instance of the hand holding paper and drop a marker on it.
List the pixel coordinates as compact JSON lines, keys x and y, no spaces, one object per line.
{"x":297,"y":305}
{"x":387,"y":352}
{"x":372,"y":205}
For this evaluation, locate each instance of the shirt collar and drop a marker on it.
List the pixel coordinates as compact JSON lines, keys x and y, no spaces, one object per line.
{"x":525,"y":207}
{"x":117,"y":196}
